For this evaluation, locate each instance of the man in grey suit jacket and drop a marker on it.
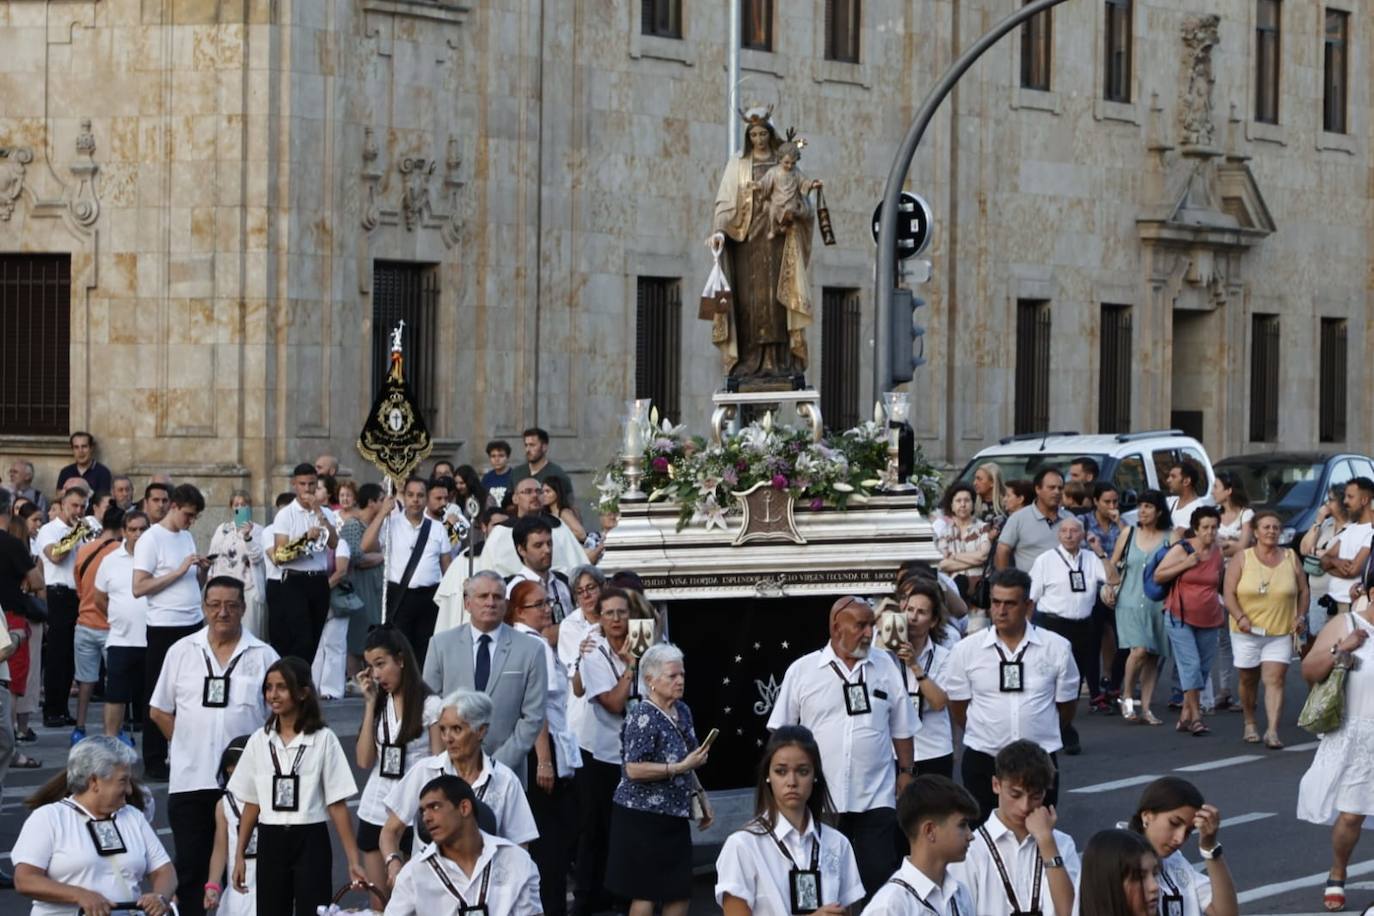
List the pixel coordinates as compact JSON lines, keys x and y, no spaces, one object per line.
{"x":487,"y":656}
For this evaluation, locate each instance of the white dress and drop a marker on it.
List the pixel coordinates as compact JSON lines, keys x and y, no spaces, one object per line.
{"x":1341,"y":778}
{"x":231,"y":902}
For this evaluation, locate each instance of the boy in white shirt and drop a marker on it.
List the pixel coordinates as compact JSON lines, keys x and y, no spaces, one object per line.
{"x":1018,"y":858}
{"x":936,"y":815}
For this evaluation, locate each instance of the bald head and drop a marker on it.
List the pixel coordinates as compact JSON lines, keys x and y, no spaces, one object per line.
{"x":327,"y":466}
{"x":527,"y":496}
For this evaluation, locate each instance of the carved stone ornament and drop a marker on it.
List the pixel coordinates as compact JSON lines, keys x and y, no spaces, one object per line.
{"x":768,"y":515}
{"x":13,"y":159}
{"x":415,"y":204}
{"x":85,"y":204}
{"x":371,"y":175}
{"x":1195,"y":124}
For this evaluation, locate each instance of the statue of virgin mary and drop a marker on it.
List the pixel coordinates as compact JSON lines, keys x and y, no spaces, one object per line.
{"x":764,"y":335}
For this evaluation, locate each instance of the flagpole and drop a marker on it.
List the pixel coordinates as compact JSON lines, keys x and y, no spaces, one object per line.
{"x":732,"y":120}
{"x":386,"y":556}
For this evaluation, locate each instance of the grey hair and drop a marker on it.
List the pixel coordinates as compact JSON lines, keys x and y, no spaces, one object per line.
{"x":588,"y":570}
{"x":98,"y":756}
{"x":472,"y":707}
{"x":491,"y":574}
{"x":1072,"y":519}
{"x":657,"y":658}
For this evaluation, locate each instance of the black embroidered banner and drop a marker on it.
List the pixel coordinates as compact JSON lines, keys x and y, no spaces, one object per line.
{"x":395,"y":437}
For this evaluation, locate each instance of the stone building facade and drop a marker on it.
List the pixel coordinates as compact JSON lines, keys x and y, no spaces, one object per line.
{"x":244,"y":193}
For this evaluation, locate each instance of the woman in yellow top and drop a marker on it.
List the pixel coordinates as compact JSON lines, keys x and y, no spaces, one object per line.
{"x":1264,"y":590}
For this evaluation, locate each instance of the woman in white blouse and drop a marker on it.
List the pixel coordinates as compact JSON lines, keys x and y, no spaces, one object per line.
{"x":236,"y":550}
{"x":399,"y":729}
{"x":961,"y":538}
{"x":790,"y":841}
{"x":87,"y":845}
{"x":1170,"y":809}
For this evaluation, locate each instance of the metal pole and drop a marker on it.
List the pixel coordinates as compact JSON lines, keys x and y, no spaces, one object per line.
{"x":885,"y":276}
{"x":732,"y":122}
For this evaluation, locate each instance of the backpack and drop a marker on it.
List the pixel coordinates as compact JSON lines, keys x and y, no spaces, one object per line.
{"x":1153,"y":590}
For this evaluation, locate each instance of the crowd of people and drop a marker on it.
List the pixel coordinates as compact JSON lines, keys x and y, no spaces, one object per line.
{"x":523,"y":729}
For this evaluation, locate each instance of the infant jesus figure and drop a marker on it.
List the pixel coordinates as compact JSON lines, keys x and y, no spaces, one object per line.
{"x":785,"y":190}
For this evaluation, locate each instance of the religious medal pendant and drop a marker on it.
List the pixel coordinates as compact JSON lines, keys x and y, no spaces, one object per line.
{"x":215,"y":694}
{"x":856,"y":699}
{"x":1011,"y":677}
{"x":1077,"y":582}
{"x":1173,"y":905}
{"x":805,"y":885}
{"x":478,"y":910}
{"x":106,"y":836}
{"x":393,"y":761}
{"x":1264,"y":588}
{"x":286,"y":792}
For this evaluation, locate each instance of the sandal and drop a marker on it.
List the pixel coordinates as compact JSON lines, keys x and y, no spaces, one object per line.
{"x":1199,"y":729}
{"x":1333,"y":898}
{"x":1251,"y":735}
{"x":1150,"y":718}
{"x":25,"y":762}
{"x":1127,"y":710}
{"x":1184,"y":725}
{"x":1271,"y":741}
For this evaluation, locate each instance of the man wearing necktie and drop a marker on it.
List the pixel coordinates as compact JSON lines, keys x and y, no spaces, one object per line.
{"x":486,"y":655}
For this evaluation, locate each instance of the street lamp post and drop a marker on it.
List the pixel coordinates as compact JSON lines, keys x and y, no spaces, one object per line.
{"x":885,"y":278}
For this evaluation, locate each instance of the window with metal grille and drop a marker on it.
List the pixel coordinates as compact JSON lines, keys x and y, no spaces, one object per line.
{"x":1114,"y":371}
{"x":658,"y":344}
{"x":402,"y":291}
{"x":840,"y":357}
{"x":1037,"y":50}
{"x":756,"y":25}
{"x":662,"y":18}
{"x":1032,"y":366}
{"x":1332,"y":386}
{"x":1267,"y":47}
{"x":35,"y":343}
{"x":1335,"y":71}
{"x":1118,"y":51}
{"x":842,"y":30}
{"x":1264,"y":378}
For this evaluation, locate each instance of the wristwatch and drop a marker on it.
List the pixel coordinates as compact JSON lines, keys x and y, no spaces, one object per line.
{"x":1213,"y":853}
{"x":910,"y":771}
{"x":1056,"y":862}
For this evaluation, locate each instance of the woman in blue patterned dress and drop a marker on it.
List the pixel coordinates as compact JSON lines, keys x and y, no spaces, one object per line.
{"x":650,"y":858}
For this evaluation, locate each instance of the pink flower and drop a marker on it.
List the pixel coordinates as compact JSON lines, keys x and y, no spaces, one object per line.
{"x":817,"y":504}
{"x":660,"y":463}
{"x":779,"y":482}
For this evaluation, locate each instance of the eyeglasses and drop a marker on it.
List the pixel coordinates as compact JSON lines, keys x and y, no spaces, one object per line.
{"x":547,"y":602}
{"x":587,"y":590}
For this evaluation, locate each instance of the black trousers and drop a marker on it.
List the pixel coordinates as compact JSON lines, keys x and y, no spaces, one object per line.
{"x":415,"y":616}
{"x":295,"y":868}
{"x":872,"y":833}
{"x":296,"y":618}
{"x":1085,"y":641}
{"x":595,"y":782}
{"x":160,"y":639}
{"x":976,"y":771}
{"x":191,"y":815}
{"x":936,"y":766}
{"x":555,"y":815}
{"x":59,"y":651}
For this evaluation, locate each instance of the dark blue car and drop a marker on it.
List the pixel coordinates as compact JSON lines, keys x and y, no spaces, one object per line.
{"x":1294,"y":484}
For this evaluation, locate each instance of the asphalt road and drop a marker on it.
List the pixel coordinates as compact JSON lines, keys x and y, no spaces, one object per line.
{"x":1279,"y":862}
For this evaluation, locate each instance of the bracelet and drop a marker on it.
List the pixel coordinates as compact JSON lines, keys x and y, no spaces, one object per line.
{"x":212,"y":886}
{"x":395,"y":855}
{"x":921,"y":677}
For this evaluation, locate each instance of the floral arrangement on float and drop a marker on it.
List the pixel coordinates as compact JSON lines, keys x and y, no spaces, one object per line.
{"x":706,"y":479}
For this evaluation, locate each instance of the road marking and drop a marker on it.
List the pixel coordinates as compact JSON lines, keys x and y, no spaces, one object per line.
{"x":1114,"y":784}
{"x":1247,"y":818}
{"x":1299,"y":748}
{"x":1316,"y":879}
{"x":1218,"y":764}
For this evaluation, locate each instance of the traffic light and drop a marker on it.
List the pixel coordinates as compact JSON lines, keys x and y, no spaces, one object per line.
{"x":904,"y":335}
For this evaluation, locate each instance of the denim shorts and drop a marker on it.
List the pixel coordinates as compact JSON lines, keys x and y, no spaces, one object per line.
{"x":1194,"y":649}
{"x":89,"y":649}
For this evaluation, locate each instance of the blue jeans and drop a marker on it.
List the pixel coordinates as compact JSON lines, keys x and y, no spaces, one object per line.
{"x":1194,"y":650}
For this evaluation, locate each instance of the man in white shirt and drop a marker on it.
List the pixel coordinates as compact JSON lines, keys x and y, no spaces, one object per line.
{"x":126,"y":649}
{"x":1348,"y":552}
{"x":463,"y":870}
{"x":533,"y":538}
{"x":303,"y":541}
{"x":168,"y":572}
{"x":1010,"y":681}
{"x":57,"y":543}
{"x":1184,"y":482}
{"x":208,"y":692}
{"x":1018,"y":861}
{"x":937,"y":819}
{"x":853,"y":701}
{"x":1064,"y":586}
{"x":408,"y":535}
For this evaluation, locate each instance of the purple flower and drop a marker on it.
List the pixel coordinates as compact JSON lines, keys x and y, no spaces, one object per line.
{"x":741,"y":465}
{"x":817,"y":504}
{"x":660,"y":463}
{"x":779,"y":482}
